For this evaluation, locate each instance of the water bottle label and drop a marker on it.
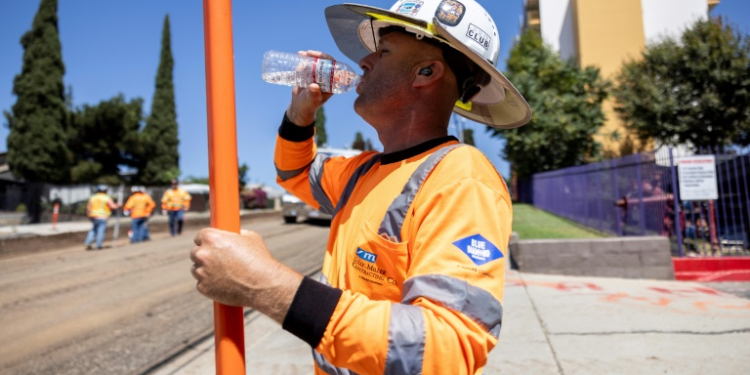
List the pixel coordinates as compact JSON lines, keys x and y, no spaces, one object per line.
{"x":323,"y":71}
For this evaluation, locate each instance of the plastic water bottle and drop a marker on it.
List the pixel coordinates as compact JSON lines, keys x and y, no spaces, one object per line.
{"x":291,"y":69}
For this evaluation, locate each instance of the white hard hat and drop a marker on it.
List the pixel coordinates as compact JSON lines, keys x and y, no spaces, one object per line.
{"x":463,"y":25}
{"x":136,"y":188}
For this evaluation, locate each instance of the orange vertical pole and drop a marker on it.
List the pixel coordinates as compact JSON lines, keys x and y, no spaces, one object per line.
{"x":222,"y":161}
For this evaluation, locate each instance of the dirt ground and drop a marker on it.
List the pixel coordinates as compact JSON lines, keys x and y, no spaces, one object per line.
{"x":122,"y":309}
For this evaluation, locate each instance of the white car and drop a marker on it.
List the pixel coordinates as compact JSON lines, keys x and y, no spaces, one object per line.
{"x":293,"y":208}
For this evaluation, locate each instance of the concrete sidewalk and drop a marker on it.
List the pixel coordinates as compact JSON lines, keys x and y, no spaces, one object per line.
{"x":561,"y":325}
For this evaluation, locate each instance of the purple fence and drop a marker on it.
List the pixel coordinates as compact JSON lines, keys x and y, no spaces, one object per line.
{"x":639,"y":195}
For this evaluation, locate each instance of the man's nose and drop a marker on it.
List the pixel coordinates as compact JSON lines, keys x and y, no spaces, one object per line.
{"x":367,"y":62}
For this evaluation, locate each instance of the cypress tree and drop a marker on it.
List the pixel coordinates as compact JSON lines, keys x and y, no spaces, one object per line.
{"x":37,"y":150}
{"x":359,"y":142}
{"x":469,"y":137}
{"x":161,"y":157}
{"x":321,"y":138}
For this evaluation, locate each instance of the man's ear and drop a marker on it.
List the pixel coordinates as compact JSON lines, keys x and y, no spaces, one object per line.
{"x":428,"y":72}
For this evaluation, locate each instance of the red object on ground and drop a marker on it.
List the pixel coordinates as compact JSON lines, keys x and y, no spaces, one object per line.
{"x":55,"y":213}
{"x":712,"y":269}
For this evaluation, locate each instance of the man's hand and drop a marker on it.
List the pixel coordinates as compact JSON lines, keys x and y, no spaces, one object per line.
{"x":238,"y":270}
{"x":306,"y":101}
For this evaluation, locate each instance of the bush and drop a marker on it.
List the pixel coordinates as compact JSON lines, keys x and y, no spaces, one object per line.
{"x":21,"y":208}
{"x":257,"y":198}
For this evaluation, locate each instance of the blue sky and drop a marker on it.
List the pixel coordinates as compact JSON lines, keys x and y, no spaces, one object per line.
{"x":112,"y":47}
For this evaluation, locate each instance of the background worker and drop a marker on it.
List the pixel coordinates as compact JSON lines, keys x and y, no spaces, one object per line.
{"x":139,"y":206}
{"x":414,"y":266}
{"x":174,"y":203}
{"x":99,"y":209}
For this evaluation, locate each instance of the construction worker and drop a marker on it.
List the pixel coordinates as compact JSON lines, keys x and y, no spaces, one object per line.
{"x":99,"y":209}
{"x":414,"y":268}
{"x":174,"y":203}
{"x":139,"y":206}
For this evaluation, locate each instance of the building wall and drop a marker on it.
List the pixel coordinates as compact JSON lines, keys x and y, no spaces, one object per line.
{"x":609,"y":32}
{"x":606,"y":33}
{"x":662,"y":18}
{"x":558,"y":28}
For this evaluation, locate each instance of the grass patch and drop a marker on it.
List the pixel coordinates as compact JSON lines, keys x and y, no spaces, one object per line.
{"x":532,"y":223}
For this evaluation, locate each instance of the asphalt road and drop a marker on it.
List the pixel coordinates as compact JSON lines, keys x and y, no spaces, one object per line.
{"x":119,"y":310}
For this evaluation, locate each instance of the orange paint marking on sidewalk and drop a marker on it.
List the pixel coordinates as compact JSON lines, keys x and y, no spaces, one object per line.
{"x":704,"y":305}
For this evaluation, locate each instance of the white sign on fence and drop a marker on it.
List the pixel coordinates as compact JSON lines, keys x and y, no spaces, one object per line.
{"x":697,"y":178}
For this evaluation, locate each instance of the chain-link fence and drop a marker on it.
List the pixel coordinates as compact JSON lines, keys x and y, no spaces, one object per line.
{"x":640,"y":194}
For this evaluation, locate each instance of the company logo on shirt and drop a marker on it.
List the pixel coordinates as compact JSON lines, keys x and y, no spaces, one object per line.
{"x":478,"y":249}
{"x":366,"y":256}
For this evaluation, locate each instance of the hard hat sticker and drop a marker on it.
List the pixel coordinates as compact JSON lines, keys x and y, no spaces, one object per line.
{"x":450,"y":12}
{"x":478,"y":249}
{"x":478,"y":35}
{"x":410,"y":8}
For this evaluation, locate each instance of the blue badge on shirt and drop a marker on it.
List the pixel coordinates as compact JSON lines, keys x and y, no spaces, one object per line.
{"x":366,"y":255}
{"x":478,"y":249}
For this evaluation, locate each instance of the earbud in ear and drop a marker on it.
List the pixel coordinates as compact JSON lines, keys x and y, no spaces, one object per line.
{"x":425,"y":72}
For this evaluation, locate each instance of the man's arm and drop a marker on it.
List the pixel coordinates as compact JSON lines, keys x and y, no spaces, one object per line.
{"x":238,"y":270}
{"x":112,"y":205}
{"x":150,"y":205}
{"x":451,"y":311}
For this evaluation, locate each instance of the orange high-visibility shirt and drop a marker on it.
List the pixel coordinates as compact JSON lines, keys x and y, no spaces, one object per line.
{"x":415,"y":259}
{"x":175,"y":200}
{"x":98,"y":206}
{"x":140,"y":205}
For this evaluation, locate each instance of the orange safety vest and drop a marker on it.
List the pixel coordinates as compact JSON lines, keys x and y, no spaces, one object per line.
{"x":417,"y":246}
{"x":98,"y":207}
{"x":175,"y":200}
{"x":140,"y":205}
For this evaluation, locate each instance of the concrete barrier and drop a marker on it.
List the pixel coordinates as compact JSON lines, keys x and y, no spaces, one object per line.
{"x":36,"y":243}
{"x":624,"y":257}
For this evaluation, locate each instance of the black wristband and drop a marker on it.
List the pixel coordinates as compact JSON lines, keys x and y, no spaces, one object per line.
{"x":311,"y":310}
{"x":294,"y":133}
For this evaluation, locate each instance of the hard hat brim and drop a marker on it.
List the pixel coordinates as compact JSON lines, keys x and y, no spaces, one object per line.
{"x":498,"y":105}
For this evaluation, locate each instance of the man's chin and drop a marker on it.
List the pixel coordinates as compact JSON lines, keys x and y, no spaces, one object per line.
{"x":358,"y":105}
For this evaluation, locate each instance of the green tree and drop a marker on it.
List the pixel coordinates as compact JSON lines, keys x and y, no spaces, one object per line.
{"x":368,"y":145}
{"x":469,"y":137}
{"x":359,"y":142}
{"x":196,"y":180}
{"x":161,"y":157}
{"x":693,"y":91}
{"x":37,"y":149}
{"x":566,"y":105}
{"x":627,"y":147}
{"x":242,"y":174}
{"x":104,"y":138}
{"x":321,"y":138}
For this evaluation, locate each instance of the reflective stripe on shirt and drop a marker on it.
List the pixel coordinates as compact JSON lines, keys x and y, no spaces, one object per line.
{"x":458,"y":295}
{"x":394,"y":217}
